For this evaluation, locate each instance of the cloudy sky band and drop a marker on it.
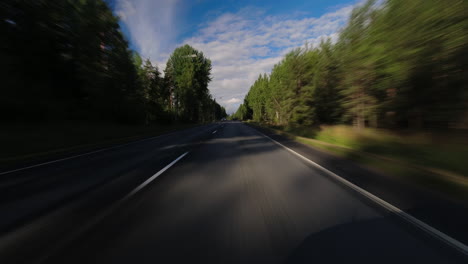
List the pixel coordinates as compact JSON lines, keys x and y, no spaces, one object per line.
{"x":241,"y":43}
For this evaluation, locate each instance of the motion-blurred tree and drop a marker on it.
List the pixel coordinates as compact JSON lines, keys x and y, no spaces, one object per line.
{"x":65,"y":60}
{"x":396,"y":64}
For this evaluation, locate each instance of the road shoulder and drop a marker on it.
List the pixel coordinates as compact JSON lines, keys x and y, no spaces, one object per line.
{"x":446,"y":214}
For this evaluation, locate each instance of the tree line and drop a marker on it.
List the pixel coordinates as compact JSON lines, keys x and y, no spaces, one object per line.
{"x":395,"y":64}
{"x":68,"y":60}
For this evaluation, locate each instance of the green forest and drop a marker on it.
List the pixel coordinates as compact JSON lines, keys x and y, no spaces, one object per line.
{"x":396,"y":64}
{"x":68,"y":60}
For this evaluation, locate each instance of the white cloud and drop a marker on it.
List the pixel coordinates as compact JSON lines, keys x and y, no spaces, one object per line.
{"x":152,"y":25}
{"x":233,"y":100}
{"x":241,"y":45}
{"x":245,"y":44}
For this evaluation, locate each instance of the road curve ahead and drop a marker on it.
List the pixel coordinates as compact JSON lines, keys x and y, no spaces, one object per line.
{"x":240,"y":198}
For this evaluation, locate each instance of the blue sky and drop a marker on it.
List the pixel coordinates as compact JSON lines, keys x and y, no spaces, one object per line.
{"x":242,"y":38}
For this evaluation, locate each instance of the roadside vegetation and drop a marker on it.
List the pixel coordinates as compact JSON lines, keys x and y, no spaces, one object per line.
{"x":441,"y":150}
{"x":398,"y":64}
{"x":394,"y":85}
{"x":432,"y":159}
{"x":67,"y":62}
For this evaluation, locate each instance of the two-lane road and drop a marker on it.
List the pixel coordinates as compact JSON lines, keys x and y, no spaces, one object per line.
{"x":241,"y":198}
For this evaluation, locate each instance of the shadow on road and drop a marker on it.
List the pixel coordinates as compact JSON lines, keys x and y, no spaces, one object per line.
{"x":368,"y":241}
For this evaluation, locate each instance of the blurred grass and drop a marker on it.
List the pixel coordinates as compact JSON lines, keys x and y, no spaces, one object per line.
{"x":27,"y":142}
{"x":436,"y":159}
{"x":441,"y":150}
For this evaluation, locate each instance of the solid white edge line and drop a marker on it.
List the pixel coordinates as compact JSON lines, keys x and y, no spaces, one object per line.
{"x":85,"y":154}
{"x":405,"y":216}
{"x":54,"y":161}
{"x":80,"y":155}
{"x":141,"y":186}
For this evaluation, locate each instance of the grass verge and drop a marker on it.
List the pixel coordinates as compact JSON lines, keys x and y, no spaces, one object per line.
{"x":423,"y":159}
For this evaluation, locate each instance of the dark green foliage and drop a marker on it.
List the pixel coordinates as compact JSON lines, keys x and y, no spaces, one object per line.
{"x":326,"y":95}
{"x":187,"y":75}
{"x":68,"y":60}
{"x":64,"y":60}
{"x":243,"y":113}
{"x":398,"y":64}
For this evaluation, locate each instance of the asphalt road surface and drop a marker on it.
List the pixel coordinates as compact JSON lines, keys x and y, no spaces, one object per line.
{"x":234,"y":197}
